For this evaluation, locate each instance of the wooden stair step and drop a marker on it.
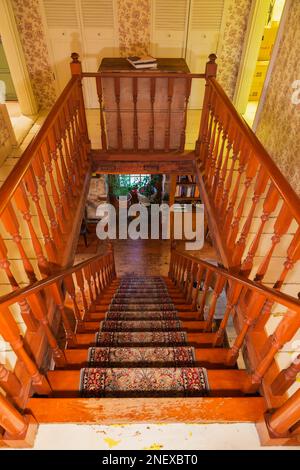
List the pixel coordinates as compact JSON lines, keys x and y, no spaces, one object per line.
{"x":204,"y":356}
{"x":225,"y":382}
{"x":193,"y":339}
{"x":186,"y":325}
{"x":99,"y":316}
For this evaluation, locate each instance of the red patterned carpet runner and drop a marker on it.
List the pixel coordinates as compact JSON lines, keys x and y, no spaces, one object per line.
{"x":141,"y":349}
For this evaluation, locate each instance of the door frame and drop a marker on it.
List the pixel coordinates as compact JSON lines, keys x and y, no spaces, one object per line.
{"x":16,"y":59}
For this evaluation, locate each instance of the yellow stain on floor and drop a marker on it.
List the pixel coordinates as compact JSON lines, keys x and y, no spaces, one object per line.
{"x":154,"y":447}
{"x":111,"y":442}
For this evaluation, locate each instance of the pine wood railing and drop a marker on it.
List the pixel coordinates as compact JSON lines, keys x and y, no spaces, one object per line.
{"x":203,"y":284}
{"x":83,"y":284}
{"x":245,"y":193}
{"x":40,"y":197}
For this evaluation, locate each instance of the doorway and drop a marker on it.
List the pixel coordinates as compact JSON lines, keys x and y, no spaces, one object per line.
{"x":259,"y":54}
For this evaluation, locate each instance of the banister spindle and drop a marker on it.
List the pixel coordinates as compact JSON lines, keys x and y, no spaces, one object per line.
{"x":199,"y":275}
{"x":71,"y":172}
{"x":71,"y":151}
{"x":102,"y":121}
{"x":282,"y":420}
{"x":215,"y":149}
{"x":235,"y":290}
{"x":39,"y":170}
{"x":221,"y":188}
{"x":23,"y":206}
{"x":269,"y":206}
{"x":39,"y":308}
{"x":11,"y":224}
{"x":59,"y":157}
{"x":81,"y":285}
{"x":219,"y":160}
{"x":293,"y":255}
{"x":251,"y":170}
{"x":233,"y":149}
{"x":135,"y":117}
{"x":119,"y":120}
{"x":10,"y":332}
{"x":57,"y":295}
{"x":169,"y":114}
{"x":219,"y":286}
{"x":207,"y":283}
{"x":260,"y":186}
{"x":70,"y":286}
{"x":281,"y":226}
{"x":32,"y":186}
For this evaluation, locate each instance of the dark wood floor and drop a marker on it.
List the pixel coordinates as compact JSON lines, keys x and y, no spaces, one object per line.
{"x":138,"y":256}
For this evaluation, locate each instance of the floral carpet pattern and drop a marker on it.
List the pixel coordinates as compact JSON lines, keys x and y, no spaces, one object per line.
{"x":141,"y":349}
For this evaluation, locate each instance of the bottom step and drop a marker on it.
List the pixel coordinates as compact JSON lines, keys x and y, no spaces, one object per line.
{"x":143,"y":382}
{"x":147,"y":410}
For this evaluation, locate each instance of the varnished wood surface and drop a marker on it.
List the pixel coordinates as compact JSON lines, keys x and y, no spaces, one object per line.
{"x":146,"y":410}
{"x":118,"y":64}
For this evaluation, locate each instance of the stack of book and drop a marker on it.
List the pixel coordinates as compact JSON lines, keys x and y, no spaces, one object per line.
{"x":143,"y":62}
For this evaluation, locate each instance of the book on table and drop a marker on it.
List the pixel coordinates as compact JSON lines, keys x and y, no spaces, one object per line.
{"x":142,"y":62}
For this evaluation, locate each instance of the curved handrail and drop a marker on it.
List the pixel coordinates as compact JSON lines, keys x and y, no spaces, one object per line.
{"x":284,"y":188}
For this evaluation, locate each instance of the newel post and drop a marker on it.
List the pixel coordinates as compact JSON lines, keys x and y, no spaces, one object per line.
{"x":75,"y":65}
{"x":20,"y":430}
{"x":201,"y":143}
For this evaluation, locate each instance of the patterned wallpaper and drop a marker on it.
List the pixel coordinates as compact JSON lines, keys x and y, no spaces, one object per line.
{"x":279,"y":123}
{"x":32,"y":36}
{"x":232,"y":44}
{"x":134,"y":26}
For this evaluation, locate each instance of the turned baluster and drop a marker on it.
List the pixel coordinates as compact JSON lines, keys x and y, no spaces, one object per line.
{"x":229,"y":174}
{"x":112,"y":257}
{"x":286,"y":417}
{"x":200,"y":272}
{"x":188,"y":279}
{"x":251,"y":171}
{"x":182,"y":275}
{"x":24,"y":206}
{"x":32,"y":187}
{"x":10,"y":332}
{"x":169,"y":118}
{"x":65,"y":185}
{"x":260,"y":186}
{"x":213,"y":125}
{"x":81,"y":285}
{"x":100,"y":273}
{"x":221,"y":188}
{"x":70,"y":286}
{"x":286,"y":377}
{"x":232,"y":299}
{"x":65,"y":152}
{"x":71,"y":152}
{"x":176,"y":267}
{"x":152,"y":101}
{"x":60,"y":214}
{"x":188,"y":85}
{"x":39,"y":170}
{"x":135,"y":118}
{"x":61,"y":183}
{"x":88,"y":277}
{"x":11,"y":224}
{"x":9,"y":382}
{"x":207,"y":283}
{"x":95,"y":278}
{"x":219,"y":161}
{"x":57,"y":295}
{"x":215,"y":150}
{"x":19,"y":429}
{"x":78,"y":135}
{"x":171,"y":265}
{"x":119,"y":121}
{"x":284,"y":332}
{"x":219,"y":286}
{"x":39,"y":309}
{"x":102,"y":121}
{"x":281,"y":226}
{"x":293,"y":255}
{"x":234,"y":195}
{"x":269,"y":206}
{"x":73,"y":147}
{"x":193,"y":271}
{"x":252,"y":305}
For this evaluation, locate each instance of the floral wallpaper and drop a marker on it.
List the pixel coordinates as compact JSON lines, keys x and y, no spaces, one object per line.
{"x":32,"y":37}
{"x":134,"y":26}
{"x":232,"y":44}
{"x":279,"y":123}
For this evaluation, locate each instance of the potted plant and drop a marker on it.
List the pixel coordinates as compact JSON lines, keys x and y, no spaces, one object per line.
{"x":119,"y":187}
{"x":147,"y":192}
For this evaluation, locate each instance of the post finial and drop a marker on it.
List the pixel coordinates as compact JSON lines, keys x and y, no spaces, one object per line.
{"x":75,"y":64}
{"x":211,"y":66}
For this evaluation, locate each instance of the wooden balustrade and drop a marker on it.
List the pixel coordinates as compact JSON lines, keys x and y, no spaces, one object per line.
{"x":202,"y":284}
{"x":57,"y":287}
{"x":49,"y":171}
{"x":238,"y":178}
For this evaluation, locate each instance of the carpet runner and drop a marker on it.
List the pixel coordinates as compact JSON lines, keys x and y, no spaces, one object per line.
{"x":140,"y":349}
